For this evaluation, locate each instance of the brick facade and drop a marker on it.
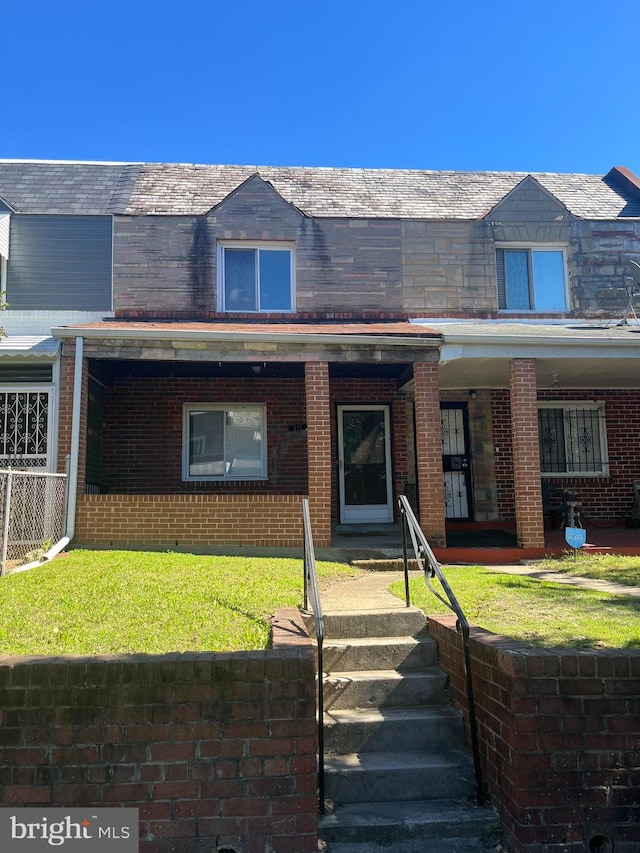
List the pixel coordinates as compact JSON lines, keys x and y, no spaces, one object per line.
{"x":217,"y":751}
{"x":349,"y":268}
{"x":429,"y":452}
{"x":559,"y":732}
{"x":601,"y":497}
{"x":526,"y":454}
{"x":319,"y":450}
{"x":250,"y":520}
{"x":143,"y":425}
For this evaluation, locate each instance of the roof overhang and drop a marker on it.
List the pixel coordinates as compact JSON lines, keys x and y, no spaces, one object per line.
{"x":210,"y":333}
{"x":566,"y":356}
{"x":26,"y":347}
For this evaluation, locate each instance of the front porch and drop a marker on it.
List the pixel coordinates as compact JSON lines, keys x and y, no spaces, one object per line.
{"x":350,"y":418}
{"x":482,"y":543}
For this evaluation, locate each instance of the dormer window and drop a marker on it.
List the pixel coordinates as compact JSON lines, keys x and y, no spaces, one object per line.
{"x":531,"y":278}
{"x":258,"y":277}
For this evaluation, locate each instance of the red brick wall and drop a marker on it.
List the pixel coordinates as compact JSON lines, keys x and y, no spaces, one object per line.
{"x":67,"y":375}
{"x":602,"y":497}
{"x":429,"y":452}
{"x":609,"y":497}
{"x":142,"y":439}
{"x":526,"y":453}
{"x":559,"y":735}
{"x":215,"y":750}
{"x":240,"y":520}
{"x":373,"y":392}
{"x":318,"y":409}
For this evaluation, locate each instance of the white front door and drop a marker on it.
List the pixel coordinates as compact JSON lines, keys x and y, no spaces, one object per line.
{"x":364,"y":456}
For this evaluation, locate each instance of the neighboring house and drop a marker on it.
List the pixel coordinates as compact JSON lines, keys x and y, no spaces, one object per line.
{"x":350,"y":335}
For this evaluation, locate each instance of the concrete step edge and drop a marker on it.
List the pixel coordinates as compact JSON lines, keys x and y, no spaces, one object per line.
{"x":375,"y":762}
{"x":341,"y":642}
{"x":417,"y":713}
{"x":412,"y":814}
{"x":362,"y":675}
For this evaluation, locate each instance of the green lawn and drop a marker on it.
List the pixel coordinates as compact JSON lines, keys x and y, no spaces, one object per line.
{"x":105,"y":602}
{"x":610,"y":567}
{"x":536,"y":612}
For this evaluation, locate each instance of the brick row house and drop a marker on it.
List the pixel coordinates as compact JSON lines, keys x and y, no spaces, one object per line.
{"x":208,"y":344}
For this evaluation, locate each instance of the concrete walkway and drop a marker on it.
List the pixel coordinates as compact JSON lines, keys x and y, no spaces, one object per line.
{"x":371,"y":591}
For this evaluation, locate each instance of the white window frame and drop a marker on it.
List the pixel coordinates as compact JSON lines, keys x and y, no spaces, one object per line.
{"x":602,"y":429}
{"x":16,"y":461}
{"x":188,"y":408}
{"x":256,"y":245}
{"x":537,"y":247}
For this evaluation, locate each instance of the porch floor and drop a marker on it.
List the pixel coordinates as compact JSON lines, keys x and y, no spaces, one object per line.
{"x":385,"y":542}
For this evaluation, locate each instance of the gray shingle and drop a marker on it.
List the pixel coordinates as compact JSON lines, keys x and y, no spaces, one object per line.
{"x":380,"y":193}
{"x":40,"y":187}
{"x":184,"y":189}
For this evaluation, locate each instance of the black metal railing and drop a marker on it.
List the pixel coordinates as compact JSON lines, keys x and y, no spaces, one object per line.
{"x":312,"y":596}
{"x":431,"y":568}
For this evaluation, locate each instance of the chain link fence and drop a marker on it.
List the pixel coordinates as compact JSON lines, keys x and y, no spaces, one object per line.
{"x":32,"y":515}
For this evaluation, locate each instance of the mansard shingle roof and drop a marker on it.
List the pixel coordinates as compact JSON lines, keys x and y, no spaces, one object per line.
{"x":183,"y":189}
{"x":375,"y":193}
{"x":63,"y":187}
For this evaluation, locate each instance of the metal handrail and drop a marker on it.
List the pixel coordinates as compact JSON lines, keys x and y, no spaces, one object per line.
{"x":431,"y":568}
{"x":311,"y":594}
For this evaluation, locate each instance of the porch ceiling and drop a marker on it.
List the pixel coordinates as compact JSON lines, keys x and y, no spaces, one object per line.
{"x":587,"y":373}
{"x":107,"y":370}
{"x":568,"y":353}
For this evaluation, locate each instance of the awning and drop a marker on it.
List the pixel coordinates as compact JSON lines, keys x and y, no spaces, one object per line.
{"x":28,"y":346}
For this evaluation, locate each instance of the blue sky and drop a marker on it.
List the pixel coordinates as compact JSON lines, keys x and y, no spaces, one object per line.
{"x":504,"y":84}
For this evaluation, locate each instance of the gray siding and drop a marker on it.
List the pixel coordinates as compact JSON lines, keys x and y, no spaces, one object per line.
{"x":60,"y":262}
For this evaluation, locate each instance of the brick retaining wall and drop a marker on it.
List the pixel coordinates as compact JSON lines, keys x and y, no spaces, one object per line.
{"x":215,"y":750}
{"x":559,"y":739}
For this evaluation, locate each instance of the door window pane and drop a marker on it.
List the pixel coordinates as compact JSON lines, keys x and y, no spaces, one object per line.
{"x":365,"y":470}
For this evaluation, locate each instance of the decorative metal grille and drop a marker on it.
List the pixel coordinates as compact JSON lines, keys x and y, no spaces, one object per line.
{"x":24,"y":419}
{"x":32,"y":514}
{"x":571,"y":440}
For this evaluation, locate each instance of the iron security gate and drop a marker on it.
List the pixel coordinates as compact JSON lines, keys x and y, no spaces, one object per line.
{"x":455,"y":460}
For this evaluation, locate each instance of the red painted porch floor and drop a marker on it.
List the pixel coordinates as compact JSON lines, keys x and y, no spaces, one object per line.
{"x":602,"y":538}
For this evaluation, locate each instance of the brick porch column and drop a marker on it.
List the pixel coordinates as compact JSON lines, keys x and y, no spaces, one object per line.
{"x":429,"y":452}
{"x":67,"y":375}
{"x":526,"y":453}
{"x":319,"y":449}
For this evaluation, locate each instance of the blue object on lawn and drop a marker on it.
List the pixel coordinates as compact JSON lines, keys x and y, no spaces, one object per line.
{"x":575,"y":536}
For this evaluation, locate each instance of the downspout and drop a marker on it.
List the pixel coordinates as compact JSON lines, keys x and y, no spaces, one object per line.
{"x":72,"y":476}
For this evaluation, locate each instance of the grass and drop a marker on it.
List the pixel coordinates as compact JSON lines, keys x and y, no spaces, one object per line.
{"x":610,"y":567}
{"x":107,"y":602}
{"x":537,"y":612}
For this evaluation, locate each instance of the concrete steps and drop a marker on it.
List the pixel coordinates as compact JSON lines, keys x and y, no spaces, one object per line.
{"x":408,"y":827}
{"x":397,"y":773}
{"x":392,"y":729}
